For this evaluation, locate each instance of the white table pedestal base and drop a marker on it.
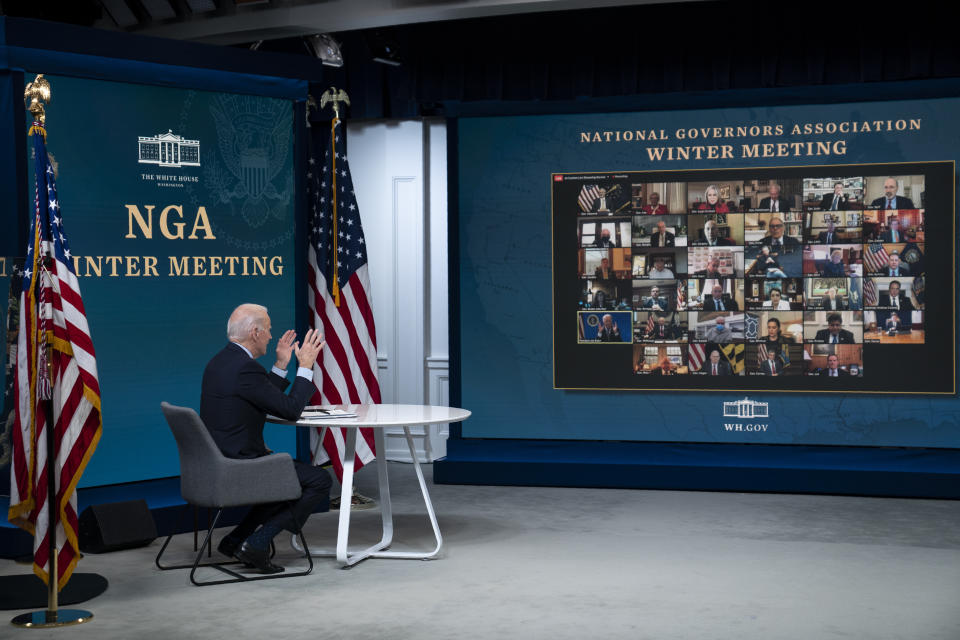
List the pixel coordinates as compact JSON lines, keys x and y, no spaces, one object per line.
{"x":347,"y":557}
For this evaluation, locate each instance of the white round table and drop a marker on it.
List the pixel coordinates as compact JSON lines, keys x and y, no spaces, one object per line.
{"x":377,"y":417}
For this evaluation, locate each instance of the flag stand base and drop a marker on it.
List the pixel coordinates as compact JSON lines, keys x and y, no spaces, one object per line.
{"x":46,"y":619}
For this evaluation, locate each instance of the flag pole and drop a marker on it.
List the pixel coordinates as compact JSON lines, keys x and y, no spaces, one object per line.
{"x":38,"y":92}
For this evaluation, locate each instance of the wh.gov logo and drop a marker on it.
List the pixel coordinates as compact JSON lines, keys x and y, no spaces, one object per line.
{"x":746,"y":408}
{"x":168,"y":150}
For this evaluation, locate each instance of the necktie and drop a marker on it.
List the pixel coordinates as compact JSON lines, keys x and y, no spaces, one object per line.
{"x":773,"y":205}
{"x":896,"y":236}
{"x":889,"y":203}
{"x":829,"y":237}
{"x":896,"y":302}
{"x":833,"y":207}
{"x":661,"y":239}
{"x":776,"y":245}
{"x":895,"y":272}
{"x":714,"y":369}
{"x":720,"y":304}
{"x":833,"y":339}
{"x":833,"y":373}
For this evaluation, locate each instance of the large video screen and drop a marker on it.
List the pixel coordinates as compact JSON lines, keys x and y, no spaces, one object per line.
{"x":812,"y":278}
{"x":768,"y":234}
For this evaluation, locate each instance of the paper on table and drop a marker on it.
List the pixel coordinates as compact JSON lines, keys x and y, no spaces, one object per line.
{"x":321,"y":414}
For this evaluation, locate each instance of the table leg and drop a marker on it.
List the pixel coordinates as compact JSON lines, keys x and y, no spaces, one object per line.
{"x":430,"y":512}
{"x":346,"y":494}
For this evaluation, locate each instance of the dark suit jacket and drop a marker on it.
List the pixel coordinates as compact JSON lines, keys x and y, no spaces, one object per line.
{"x":887,"y":236}
{"x":655,"y":239}
{"x":845,"y":336}
{"x":905,"y":303}
{"x":720,"y":242}
{"x":903,"y":202}
{"x":840,"y":372}
{"x":822,"y":237}
{"x":825,"y":303}
{"x":598,"y":274}
{"x":827,"y":202}
{"x":784,"y":204}
{"x":904,"y":270}
{"x":609,"y":336}
{"x":669,"y":332}
{"x":723,"y":368}
{"x":237,"y":394}
{"x":660,"y":300}
{"x":728,"y":304}
{"x":831,"y":268}
{"x":789,"y":242}
{"x":765,"y":367}
{"x":596,"y":204}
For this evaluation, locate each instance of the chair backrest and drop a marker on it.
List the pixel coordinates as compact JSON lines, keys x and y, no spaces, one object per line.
{"x":200,"y":459}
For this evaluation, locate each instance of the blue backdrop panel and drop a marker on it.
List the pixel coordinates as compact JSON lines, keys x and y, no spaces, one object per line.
{"x":506,"y":282}
{"x":214,"y":166}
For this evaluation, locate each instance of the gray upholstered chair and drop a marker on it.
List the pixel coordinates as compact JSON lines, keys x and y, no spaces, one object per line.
{"x":209,"y":479}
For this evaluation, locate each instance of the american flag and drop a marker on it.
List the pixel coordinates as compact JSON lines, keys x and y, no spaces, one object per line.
{"x":650,"y":324}
{"x":761,"y":354}
{"x":681,"y":294}
{"x":696,"y":357}
{"x":56,"y":369}
{"x":869,"y":292}
{"x":588,"y":193}
{"x":875,"y":257}
{"x":339,"y":297}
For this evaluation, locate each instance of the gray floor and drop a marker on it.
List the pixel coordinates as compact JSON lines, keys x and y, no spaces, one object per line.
{"x":576,"y":563}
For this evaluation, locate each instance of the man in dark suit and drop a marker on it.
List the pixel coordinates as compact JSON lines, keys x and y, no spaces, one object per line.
{"x":894,"y":298}
{"x":661,"y":237}
{"x":833,"y":370}
{"x":836,"y":201}
{"x":893,"y":233}
{"x":600,"y":203}
{"x":661,"y":331}
{"x":829,"y":236}
{"x":712,"y":269}
{"x":890,"y":199}
{"x":774,"y":202}
{"x":236,"y":395}
{"x":604,"y":241}
{"x":716,"y":366}
{"x":892,"y":324}
{"x":894,"y":267}
{"x":709,"y":236}
{"x":655,"y":301}
{"x":604,"y":272}
{"x":608,"y":330}
{"x":772,"y":366}
{"x":717,"y":302}
{"x":776,"y":239}
{"x":832,"y":302}
{"x":834,"y":333}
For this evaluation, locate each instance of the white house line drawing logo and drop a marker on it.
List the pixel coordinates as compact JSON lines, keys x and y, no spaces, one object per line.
{"x":746,"y":408}
{"x":169,"y":150}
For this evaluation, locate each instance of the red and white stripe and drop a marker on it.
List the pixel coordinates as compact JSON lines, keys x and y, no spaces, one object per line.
{"x":346,"y":372}
{"x":61,"y":322}
{"x":696,"y":356}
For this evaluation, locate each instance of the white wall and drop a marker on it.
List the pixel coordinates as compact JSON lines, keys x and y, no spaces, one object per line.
{"x":399,"y":171}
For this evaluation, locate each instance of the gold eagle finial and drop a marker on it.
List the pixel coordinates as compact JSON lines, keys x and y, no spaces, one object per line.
{"x":335,"y":96}
{"x":35,"y":95}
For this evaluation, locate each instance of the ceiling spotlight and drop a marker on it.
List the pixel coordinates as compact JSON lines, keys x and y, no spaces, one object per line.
{"x":326,"y":49}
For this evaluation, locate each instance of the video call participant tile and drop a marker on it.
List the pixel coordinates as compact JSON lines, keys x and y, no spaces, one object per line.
{"x":834,"y":360}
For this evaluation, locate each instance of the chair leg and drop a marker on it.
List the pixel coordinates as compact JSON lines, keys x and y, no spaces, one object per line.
{"x":235,"y":577}
{"x":200,"y":553}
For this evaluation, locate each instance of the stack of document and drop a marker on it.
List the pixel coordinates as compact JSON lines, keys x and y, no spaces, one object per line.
{"x":319,"y":413}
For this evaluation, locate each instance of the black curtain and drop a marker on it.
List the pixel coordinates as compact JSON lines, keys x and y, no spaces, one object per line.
{"x":644,"y":50}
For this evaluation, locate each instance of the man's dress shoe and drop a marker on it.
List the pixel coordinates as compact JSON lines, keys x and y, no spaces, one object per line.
{"x":257,"y":558}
